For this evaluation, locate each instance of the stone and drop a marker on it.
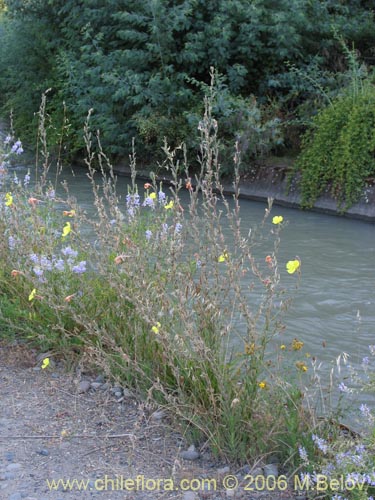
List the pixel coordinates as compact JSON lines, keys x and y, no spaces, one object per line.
{"x":9,"y":475}
{"x":189,"y":495}
{"x":126,"y":393}
{"x":190,"y":454}
{"x":43,"y":451}
{"x":271,"y":470}
{"x":12,"y":467}
{"x":15,"y":496}
{"x":223,"y":470}
{"x":158,"y":415}
{"x":258,"y":471}
{"x":100,"y":379}
{"x":83,"y":386}
{"x":118,"y":394}
{"x":9,"y":455}
{"x":96,"y":385}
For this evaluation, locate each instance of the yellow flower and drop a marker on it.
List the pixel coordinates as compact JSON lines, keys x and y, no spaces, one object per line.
{"x":250,"y":348}
{"x":32,"y":295}
{"x":297,"y":345}
{"x":277,"y":219}
{"x":169,"y":205}
{"x":8,"y":200}
{"x":223,"y":257}
{"x":283,"y":347}
{"x":69,"y":213}
{"x":155,"y":328}
{"x":66,"y":230}
{"x":153,"y":196}
{"x":45,"y":363}
{"x":262,"y":384}
{"x":301,"y":366}
{"x":292,"y":266}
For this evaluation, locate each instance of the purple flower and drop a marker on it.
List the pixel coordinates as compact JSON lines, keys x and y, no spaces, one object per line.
{"x":365,"y":410}
{"x":38,"y":271}
{"x":343,"y":387}
{"x":17,"y":148}
{"x":149,"y":202}
{"x":34,"y":258}
{"x":12,"y":242}
{"x":148,"y":234}
{"x":80,"y":268}
{"x":164,"y":228}
{"x":45,"y":263}
{"x":26,"y":180}
{"x":161,"y":197}
{"x":59,"y":265}
{"x":132,"y":200}
{"x":7,"y":139}
{"x":69,"y":252}
{"x":303,"y":454}
{"x":177,"y":228}
{"x":320,"y":443}
{"x":51,"y":194}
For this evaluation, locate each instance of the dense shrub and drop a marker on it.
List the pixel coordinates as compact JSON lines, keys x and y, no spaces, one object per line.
{"x":136,"y":63}
{"x":338,"y":153}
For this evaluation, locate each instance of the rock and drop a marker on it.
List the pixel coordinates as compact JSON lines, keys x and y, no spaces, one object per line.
{"x":9,"y":475}
{"x":230,"y":493}
{"x":13,"y":467}
{"x":189,"y":495}
{"x":9,"y":455}
{"x":96,"y":385}
{"x":258,"y":471}
{"x":43,"y":451}
{"x":104,"y":387}
{"x":223,"y":470}
{"x":116,"y":388}
{"x":118,"y":394}
{"x":15,"y":496}
{"x":83,"y":386}
{"x":100,"y":379}
{"x":190,"y":454}
{"x":126,"y":393}
{"x":271,"y":470}
{"x":158,"y":415}
{"x":246,"y":469}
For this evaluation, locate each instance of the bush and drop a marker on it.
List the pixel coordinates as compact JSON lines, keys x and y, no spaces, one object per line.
{"x":338,"y":152}
{"x":163,"y":297}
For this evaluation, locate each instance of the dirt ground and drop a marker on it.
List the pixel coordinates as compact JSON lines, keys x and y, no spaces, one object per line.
{"x":114,"y":447}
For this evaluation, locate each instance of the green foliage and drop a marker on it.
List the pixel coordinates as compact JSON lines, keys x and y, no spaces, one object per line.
{"x":135,"y":63}
{"x":338,"y":152}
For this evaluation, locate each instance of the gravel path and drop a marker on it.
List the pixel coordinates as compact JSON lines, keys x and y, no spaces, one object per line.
{"x":54,"y":425}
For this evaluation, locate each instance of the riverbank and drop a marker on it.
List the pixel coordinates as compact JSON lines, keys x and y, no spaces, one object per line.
{"x":63,"y":425}
{"x":269,"y":180}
